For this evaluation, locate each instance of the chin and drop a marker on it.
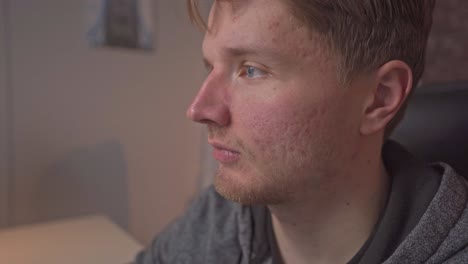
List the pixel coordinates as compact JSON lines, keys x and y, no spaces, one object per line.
{"x":248,"y":189}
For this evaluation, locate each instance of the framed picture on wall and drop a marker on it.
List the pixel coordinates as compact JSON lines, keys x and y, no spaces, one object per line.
{"x":120,"y":23}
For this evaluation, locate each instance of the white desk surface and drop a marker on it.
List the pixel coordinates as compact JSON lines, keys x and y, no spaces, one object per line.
{"x":86,"y":240}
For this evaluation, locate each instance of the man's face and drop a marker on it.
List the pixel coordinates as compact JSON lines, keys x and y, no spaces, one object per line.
{"x":278,"y":120}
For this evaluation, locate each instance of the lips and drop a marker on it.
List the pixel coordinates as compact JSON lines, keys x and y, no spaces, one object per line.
{"x":224,"y":154}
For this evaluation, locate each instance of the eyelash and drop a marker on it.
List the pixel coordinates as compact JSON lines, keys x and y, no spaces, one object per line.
{"x":243,"y":72}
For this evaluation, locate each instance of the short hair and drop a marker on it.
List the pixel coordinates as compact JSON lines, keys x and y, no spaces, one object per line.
{"x":364,"y":34}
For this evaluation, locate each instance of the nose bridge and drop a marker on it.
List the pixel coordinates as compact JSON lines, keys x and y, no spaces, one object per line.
{"x":209,"y":104}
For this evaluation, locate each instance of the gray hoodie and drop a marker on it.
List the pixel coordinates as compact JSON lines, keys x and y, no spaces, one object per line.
{"x":425,"y":221}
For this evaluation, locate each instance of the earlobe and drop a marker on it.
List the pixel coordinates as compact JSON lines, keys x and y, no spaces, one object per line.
{"x":394,"y":83}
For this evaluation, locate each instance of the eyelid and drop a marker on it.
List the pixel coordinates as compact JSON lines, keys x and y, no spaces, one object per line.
{"x":255,"y":65}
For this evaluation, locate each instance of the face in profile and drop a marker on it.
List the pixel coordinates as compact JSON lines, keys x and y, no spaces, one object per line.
{"x":278,"y":120}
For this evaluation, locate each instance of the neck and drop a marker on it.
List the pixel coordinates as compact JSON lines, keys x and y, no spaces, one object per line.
{"x":331,"y":226}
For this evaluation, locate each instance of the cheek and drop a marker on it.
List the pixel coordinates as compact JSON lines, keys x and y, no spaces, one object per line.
{"x":279,"y":131}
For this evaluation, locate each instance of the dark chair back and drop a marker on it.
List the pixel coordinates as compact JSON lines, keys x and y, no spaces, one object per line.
{"x":435,"y":126}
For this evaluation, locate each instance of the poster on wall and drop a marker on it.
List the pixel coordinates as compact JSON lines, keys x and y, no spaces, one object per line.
{"x":120,"y":23}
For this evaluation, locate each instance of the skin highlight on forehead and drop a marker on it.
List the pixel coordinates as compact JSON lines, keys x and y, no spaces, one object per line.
{"x":232,"y":11}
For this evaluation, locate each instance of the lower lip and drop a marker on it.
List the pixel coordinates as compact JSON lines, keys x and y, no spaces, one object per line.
{"x":225,"y":156}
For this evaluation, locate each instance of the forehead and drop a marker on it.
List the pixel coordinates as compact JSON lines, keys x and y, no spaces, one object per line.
{"x":266,"y":25}
{"x":236,"y":9}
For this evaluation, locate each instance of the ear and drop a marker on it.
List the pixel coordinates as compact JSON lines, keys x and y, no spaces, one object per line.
{"x":394,"y":81}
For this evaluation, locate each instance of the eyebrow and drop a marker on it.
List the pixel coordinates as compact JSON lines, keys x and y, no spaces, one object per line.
{"x":243,"y":51}
{"x":234,"y":52}
{"x":254,"y":50}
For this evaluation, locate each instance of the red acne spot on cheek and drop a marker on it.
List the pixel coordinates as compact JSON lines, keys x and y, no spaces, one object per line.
{"x":265,"y":133}
{"x":301,"y":53}
{"x":235,"y":15}
{"x":273,"y":25}
{"x":303,"y":127}
{"x":314,"y":113}
{"x":260,"y":144}
{"x":291,"y":148}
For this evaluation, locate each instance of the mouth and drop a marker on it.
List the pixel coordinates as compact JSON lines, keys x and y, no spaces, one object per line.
{"x":224,"y":154}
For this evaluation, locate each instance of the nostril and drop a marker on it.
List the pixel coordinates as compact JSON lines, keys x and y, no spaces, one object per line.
{"x":207,"y":122}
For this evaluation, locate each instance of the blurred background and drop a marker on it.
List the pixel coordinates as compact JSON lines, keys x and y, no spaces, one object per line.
{"x":86,"y":128}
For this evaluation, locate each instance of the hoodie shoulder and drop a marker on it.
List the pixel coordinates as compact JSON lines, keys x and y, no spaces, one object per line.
{"x":441,"y":236}
{"x":212,"y":228}
{"x":460,"y":257}
{"x":454,"y":248}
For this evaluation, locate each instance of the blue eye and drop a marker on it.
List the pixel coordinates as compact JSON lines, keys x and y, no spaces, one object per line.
{"x":253,"y":72}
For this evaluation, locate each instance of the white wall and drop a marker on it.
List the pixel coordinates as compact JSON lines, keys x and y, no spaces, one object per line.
{"x":102,"y":119}
{"x":3,"y":118}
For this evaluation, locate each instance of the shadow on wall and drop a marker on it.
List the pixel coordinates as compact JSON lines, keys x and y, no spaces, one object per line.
{"x":88,"y":180}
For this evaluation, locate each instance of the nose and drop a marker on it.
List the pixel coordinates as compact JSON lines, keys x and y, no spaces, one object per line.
{"x":210,"y":105}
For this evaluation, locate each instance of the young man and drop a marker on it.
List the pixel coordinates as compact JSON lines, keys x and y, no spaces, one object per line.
{"x":299,"y":98}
